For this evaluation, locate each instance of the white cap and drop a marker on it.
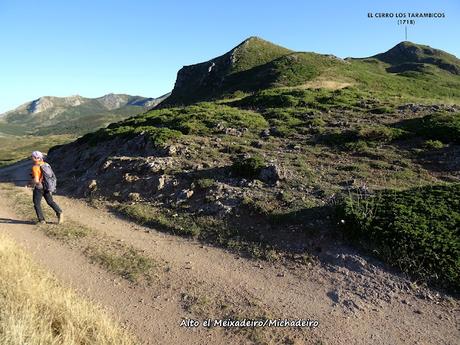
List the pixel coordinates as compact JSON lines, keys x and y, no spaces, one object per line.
{"x":37,"y":155}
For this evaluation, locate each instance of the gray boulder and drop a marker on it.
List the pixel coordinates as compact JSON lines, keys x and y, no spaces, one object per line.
{"x":271,"y":174}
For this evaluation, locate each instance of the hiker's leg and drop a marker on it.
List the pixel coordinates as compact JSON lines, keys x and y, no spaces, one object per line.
{"x":49,"y":200}
{"x":37,"y":198}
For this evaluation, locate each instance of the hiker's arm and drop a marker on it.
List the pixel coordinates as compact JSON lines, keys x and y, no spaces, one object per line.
{"x":31,"y":183}
{"x":35,"y":177}
{"x":36,"y":181}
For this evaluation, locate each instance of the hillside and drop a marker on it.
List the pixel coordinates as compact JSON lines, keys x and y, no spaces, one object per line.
{"x":262,"y":171}
{"x":72,"y":115}
{"x":301,"y":172}
{"x":408,"y":72}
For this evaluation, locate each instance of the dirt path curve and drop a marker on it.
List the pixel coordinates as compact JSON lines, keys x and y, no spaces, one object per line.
{"x":124,"y":301}
{"x":154,"y":314}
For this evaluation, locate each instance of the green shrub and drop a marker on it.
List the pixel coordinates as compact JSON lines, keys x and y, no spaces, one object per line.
{"x":355,"y":139}
{"x":417,"y":230}
{"x":270,"y":100}
{"x":433,"y":144}
{"x":380,"y":133}
{"x":282,"y":130}
{"x":248,"y":167}
{"x":205,"y":183}
{"x":357,"y":146}
{"x":152,"y":216}
{"x":338,"y":137}
{"x":316,"y":122}
{"x":439,"y":126}
{"x":161,"y":136}
{"x":381,"y":110}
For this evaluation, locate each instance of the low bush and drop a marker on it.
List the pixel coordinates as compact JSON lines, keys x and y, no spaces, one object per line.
{"x":444,"y":127}
{"x":357,"y":146}
{"x":381,"y":110}
{"x":433,"y":144}
{"x":417,"y":230}
{"x":337,"y":137}
{"x":364,"y":135}
{"x":248,"y":167}
{"x":151,"y":216}
{"x":380,"y":133}
{"x":205,"y":183}
{"x":270,"y":100}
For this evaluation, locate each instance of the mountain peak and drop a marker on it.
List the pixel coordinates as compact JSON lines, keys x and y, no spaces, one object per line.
{"x":205,"y":80}
{"x":409,"y":53}
{"x":254,"y":51}
{"x":252,"y":38}
{"x":113,"y":101}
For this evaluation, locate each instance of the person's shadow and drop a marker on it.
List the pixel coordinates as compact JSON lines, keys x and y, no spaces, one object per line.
{"x":15,"y":221}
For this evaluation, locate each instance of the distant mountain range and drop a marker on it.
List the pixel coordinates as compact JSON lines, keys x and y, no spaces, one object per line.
{"x":408,"y":71}
{"x":72,"y":115}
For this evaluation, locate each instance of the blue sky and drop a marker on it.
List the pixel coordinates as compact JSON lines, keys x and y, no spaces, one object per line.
{"x":93,"y":47}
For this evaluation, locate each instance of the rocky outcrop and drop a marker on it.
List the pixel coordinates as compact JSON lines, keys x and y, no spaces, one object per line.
{"x":272,"y":174}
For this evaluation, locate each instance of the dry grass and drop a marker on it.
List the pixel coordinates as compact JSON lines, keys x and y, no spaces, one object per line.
{"x":325,"y":84}
{"x":35,"y":309}
{"x":123,"y":260}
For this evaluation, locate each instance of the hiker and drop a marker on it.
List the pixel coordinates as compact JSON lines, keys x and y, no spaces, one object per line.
{"x":44,"y":184}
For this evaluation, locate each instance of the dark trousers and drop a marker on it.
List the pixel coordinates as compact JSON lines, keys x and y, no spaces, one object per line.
{"x":37,"y":198}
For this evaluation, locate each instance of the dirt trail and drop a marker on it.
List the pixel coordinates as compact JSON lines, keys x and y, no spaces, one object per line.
{"x":338,"y":297}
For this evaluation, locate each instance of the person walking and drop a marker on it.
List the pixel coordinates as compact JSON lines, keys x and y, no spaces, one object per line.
{"x":44,"y":185}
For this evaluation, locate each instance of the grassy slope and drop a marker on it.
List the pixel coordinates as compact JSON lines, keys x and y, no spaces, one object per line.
{"x":261,"y":65}
{"x":8,"y":129}
{"x":14,"y":148}
{"x":431,"y":86}
{"x":369,"y":77}
{"x":80,"y":122}
{"x":164,"y":124}
{"x":35,"y":309}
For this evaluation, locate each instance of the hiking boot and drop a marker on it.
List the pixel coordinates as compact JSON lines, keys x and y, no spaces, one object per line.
{"x":60,"y":218}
